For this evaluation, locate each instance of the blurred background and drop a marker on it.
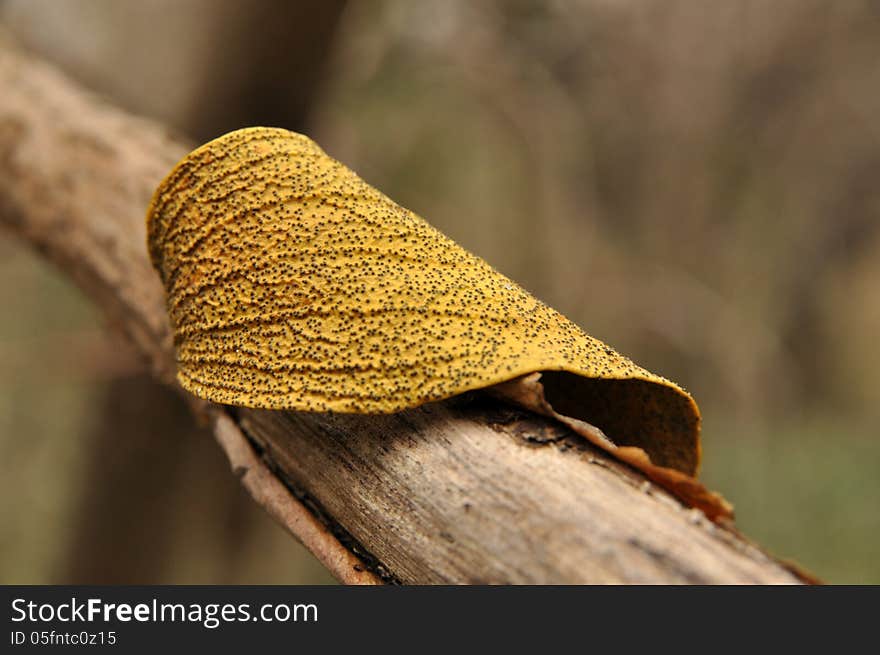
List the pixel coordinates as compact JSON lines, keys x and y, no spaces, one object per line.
{"x":697,"y":184}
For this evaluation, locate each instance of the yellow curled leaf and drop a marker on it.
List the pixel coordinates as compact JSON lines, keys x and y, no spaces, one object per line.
{"x":293,"y":284}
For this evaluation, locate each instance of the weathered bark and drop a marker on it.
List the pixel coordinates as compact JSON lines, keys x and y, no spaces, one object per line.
{"x":467,"y":490}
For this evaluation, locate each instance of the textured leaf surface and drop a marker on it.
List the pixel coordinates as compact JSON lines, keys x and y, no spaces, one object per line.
{"x":293,"y":284}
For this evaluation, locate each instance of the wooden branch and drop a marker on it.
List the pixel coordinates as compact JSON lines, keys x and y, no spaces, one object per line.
{"x":468,"y":490}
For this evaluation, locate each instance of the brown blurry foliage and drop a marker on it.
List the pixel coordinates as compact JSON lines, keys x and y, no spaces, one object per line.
{"x":688,"y":180}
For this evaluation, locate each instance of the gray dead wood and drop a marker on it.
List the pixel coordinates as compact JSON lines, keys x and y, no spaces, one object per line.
{"x":464,"y":491}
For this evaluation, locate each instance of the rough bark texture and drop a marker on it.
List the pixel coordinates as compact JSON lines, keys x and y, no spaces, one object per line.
{"x":468,"y":490}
